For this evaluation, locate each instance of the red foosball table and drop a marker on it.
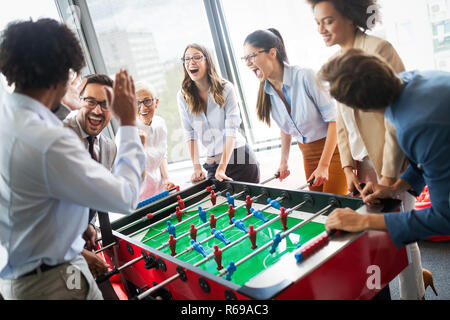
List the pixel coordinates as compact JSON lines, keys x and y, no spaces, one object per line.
{"x":231,"y":240}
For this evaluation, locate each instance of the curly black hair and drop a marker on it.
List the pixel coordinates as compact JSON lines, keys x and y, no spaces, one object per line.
{"x":361,"y":12}
{"x":38,"y":55}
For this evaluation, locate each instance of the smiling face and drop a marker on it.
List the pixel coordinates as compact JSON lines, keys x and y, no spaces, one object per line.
{"x":94,"y":119}
{"x":333,"y":26}
{"x":260,"y":62}
{"x":196,"y":67}
{"x":147,"y":106}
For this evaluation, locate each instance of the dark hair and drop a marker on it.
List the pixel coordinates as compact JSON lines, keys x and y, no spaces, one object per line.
{"x":37,"y":55}
{"x":356,"y":10}
{"x":267,"y":39}
{"x":102,"y":79}
{"x":361,"y":81}
{"x":190,"y":90}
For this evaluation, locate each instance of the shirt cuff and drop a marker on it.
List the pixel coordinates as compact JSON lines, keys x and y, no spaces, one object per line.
{"x":328,"y":112}
{"x":127,"y":133}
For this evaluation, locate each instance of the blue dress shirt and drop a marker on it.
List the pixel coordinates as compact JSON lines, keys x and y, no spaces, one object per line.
{"x":421,"y":117}
{"x":311,"y":108}
{"x":48,"y":181}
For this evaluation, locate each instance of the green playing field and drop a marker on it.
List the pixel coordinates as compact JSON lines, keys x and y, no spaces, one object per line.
{"x":248,"y":269}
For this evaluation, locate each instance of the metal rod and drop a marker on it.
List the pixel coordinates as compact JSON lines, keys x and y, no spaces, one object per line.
{"x":160,"y":211}
{"x":283,"y":235}
{"x":206,"y":224}
{"x":180,"y":223}
{"x":106,"y":247}
{"x":186,"y":209}
{"x":276,"y":176}
{"x":167,"y":218}
{"x":173,"y":278}
{"x":228,"y":228}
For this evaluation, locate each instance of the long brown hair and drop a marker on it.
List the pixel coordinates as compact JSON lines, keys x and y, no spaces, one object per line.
{"x":190,"y":91}
{"x":267,"y":39}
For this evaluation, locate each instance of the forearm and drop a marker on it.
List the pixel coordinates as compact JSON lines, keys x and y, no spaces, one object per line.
{"x":227,"y":152}
{"x":375,"y":222}
{"x":164,"y":170}
{"x":286,"y":141}
{"x":193,"y":151}
{"x":400,"y":186}
{"x":330,"y":146}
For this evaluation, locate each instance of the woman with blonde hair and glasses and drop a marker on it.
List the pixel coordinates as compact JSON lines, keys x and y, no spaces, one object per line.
{"x":289,"y":96}
{"x":367,"y":142}
{"x":154,"y":131}
{"x":210,"y":114}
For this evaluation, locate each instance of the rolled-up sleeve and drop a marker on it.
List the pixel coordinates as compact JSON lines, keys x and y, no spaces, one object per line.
{"x":232,"y":114}
{"x":189,"y":131}
{"x":90,"y":184}
{"x":411,"y":226}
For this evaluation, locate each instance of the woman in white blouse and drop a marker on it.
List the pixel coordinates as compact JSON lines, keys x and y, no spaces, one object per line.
{"x":210,"y":114}
{"x":155,"y":131}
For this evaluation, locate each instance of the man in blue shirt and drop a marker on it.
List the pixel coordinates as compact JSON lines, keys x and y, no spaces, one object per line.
{"x":418,"y":106}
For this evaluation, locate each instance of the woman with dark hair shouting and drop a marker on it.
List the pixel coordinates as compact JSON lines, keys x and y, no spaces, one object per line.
{"x":289,"y":96}
{"x":210,"y":114}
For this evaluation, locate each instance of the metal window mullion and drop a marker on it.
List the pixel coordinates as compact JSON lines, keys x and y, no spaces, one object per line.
{"x":225,"y":55}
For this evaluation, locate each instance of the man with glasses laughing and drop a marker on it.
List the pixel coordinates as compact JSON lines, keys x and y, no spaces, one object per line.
{"x":88,"y":123}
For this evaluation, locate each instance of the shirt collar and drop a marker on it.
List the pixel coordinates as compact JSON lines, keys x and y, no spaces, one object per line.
{"x":18,"y":100}
{"x":83,"y":133}
{"x":287,"y":80}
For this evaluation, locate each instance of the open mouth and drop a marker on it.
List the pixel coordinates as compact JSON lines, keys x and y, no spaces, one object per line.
{"x":257,"y":72}
{"x":327,"y":38}
{"x":194,"y":71}
{"x":95,"y":122}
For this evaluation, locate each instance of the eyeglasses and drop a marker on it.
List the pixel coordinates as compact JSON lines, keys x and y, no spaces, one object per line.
{"x":251,"y":57}
{"x":147,"y":102}
{"x":91,"y":103}
{"x":195,"y":58}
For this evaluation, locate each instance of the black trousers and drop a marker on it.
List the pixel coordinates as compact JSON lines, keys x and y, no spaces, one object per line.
{"x":243,"y":166}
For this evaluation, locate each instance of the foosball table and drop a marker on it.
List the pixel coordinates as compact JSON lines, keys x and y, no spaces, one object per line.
{"x":231,"y":240}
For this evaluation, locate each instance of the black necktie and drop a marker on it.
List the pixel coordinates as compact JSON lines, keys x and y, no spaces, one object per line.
{"x":91,"y":141}
{"x":103,"y":218}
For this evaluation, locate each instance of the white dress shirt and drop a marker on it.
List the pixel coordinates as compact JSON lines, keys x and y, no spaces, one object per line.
{"x":156,"y":152}
{"x":48,"y":181}
{"x":213,"y":128}
{"x":357,"y":147}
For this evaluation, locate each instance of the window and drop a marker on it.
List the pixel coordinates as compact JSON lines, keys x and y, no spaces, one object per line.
{"x":419,"y":31}
{"x":295,"y":21}
{"x":24,"y":10}
{"x":148,"y":37}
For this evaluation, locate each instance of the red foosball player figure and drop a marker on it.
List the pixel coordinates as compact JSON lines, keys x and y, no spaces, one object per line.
{"x":231,"y":212}
{"x":248,"y":205}
{"x":172,"y":245}
{"x":213,"y":222}
{"x":252,"y":236}
{"x":283,"y":215}
{"x":180,"y":203}
{"x":179,"y":214}
{"x":218,"y":257}
{"x":193,"y":232}
{"x":213,"y":198}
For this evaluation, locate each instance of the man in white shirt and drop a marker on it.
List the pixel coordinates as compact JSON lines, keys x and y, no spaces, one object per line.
{"x":48,"y":180}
